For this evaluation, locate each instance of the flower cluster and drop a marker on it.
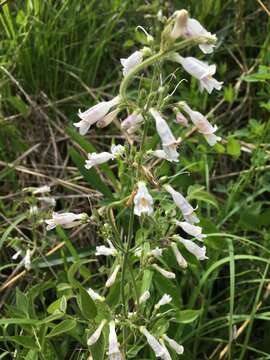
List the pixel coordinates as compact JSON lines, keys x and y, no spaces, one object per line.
{"x":124,"y":250}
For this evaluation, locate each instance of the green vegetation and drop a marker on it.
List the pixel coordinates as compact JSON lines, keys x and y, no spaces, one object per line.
{"x":59,"y":56}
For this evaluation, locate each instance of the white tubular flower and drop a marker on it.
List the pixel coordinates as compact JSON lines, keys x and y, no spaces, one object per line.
{"x":143,"y":200}
{"x":183,"y":205}
{"x":96,"y":335}
{"x":114,"y":351}
{"x":165,"y":273}
{"x":166,"y":355}
{"x":202,"y":124}
{"x":198,"y":252}
{"x":131,"y":62}
{"x":132,"y":122}
{"x":16,"y":255}
{"x":117,"y":150}
{"x":94,"y":114}
{"x":190,"y":229}
{"x":106,"y":251}
{"x":47,"y":200}
{"x":42,"y":190}
{"x":169,"y":143}
{"x":95,"y":296}
{"x":66,"y":220}
{"x":153,"y":342}
{"x":166,"y":299}
{"x":179,"y":349}
{"x":107,"y":119}
{"x":181,"y":119}
{"x":27,"y":260}
{"x":96,"y":159}
{"x":144,"y":297}
{"x":189,"y":28}
{"x":179,"y":257}
{"x":112,"y":277}
{"x":156,"y":252}
{"x":201,"y":71}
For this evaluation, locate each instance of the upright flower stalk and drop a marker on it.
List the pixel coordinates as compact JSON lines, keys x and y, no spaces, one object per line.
{"x":129,"y":249}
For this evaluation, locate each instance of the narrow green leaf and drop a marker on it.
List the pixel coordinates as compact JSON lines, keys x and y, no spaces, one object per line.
{"x":186,"y":316}
{"x":62,"y":327}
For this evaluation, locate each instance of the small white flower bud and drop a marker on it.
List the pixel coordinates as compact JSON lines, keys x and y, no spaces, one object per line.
{"x":96,"y":335}
{"x":144,"y":297}
{"x":166,"y":299}
{"x":95,"y":296}
{"x":179,"y":349}
{"x":165,"y":273}
{"x":112,"y":278}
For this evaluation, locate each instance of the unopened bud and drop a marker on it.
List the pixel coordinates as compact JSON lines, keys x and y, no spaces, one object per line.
{"x":180,"y":23}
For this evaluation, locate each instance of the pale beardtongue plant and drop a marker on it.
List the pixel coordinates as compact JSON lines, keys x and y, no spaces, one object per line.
{"x":133,"y":322}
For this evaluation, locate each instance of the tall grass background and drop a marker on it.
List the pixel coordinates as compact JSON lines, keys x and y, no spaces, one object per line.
{"x":58,"y":56}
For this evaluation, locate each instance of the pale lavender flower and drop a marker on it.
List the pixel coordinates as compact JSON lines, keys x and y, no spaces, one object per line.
{"x":66,"y":220}
{"x":201,"y":71}
{"x":143,"y":200}
{"x":131,"y":62}
{"x":197,"y":251}
{"x":153,"y":342}
{"x":114,"y":351}
{"x":97,"y":159}
{"x":132,"y":123}
{"x":94,"y":114}
{"x":190,"y":229}
{"x":169,"y":143}
{"x":202,"y":124}
{"x":183,"y":205}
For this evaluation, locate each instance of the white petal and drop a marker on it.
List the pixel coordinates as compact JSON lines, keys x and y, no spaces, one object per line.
{"x":144,"y":297}
{"x":179,"y":257}
{"x":143,"y":201}
{"x":114,"y":351}
{"x":112,"y":278}
{"x":131,"y":62}
{"x":165,"y":273}
{"x":198,"y":252}
{"x":96,"y":335}
{"x":163,"y":129}
{"x":166,"y":299}
{"x":179,"y":349}
{"x":191,"y":229}
{"x":96,"y":159}
{"x":153,"y":342}
{"x":94,"y":295}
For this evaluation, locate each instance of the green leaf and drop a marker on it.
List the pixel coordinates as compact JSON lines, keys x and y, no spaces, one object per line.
{"x":22,"y":302}
{"x":167,"y":287}
{"x":86,"y":304}
{"x":90,"y":175}
{"x":233,"y":147}
{"x":25,"y":341}
{"x":32,"y":355}
{"x":186,"y":316}
{"x":62,"y":327}
{"x":19,"y":105}
{"x":59,"y":304}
